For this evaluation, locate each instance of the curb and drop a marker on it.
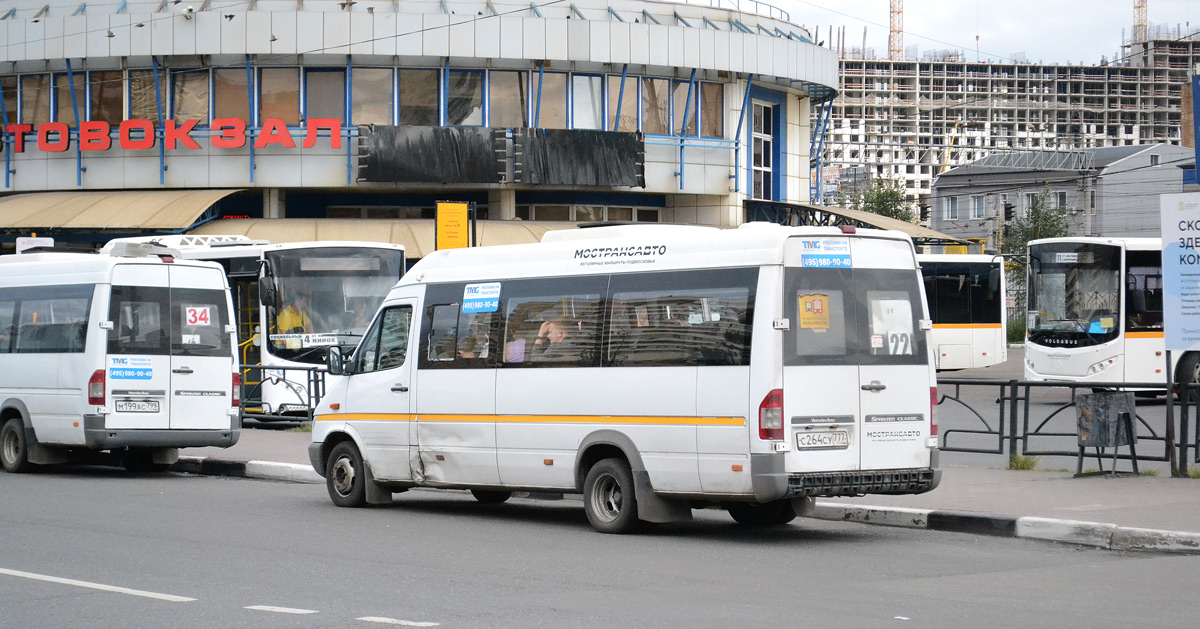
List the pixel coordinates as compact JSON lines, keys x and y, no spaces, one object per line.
{"x":265,"y":470}
{"x":1095,"y":534}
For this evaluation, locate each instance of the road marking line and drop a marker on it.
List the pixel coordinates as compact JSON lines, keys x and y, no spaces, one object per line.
{"x":281,"y":610}
{"x":96,"y":586}
{"x":393,"y":621}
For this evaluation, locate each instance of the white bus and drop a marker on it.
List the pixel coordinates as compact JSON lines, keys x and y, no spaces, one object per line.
{"x":341,"y":283}
{"x":651,"y":368}
{"x":1096,"y":311}
{"x":131,"y":352}
{"x":967,"y":304}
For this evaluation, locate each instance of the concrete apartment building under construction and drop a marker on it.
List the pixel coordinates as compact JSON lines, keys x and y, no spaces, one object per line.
{"x":910,"y":119}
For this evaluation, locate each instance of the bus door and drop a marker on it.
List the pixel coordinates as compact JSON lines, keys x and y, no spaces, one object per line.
{"x":201,"y":346}
{"x":855,"y":367}
{"x":138,"y":363}
{"x":380,"y":391}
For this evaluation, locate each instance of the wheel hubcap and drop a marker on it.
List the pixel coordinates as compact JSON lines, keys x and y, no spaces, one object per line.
{"x":606,"y":498}
{"x":12,"y":447}
{"x":343,"y":476}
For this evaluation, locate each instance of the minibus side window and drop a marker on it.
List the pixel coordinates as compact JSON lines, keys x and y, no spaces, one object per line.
{"x":54,"y":319}
{"x":443,"y":332}
{"x":8,"y":327}
{"x":368,"y":349}
{"x":553,"y":322}
{"x":393,"y":339}
{"x":139,"y":321}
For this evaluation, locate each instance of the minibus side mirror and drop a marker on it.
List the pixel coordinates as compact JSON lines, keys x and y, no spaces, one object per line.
{"x":334,"y":361}
{"x":266,"y":290}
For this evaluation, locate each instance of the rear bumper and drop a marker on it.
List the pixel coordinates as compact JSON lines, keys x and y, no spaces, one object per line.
{"x":858,"y":482}
{"x":98,"y":437}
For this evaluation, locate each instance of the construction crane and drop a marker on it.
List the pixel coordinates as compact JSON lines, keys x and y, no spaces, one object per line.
{"x":1140,"y":23}
{"x":896,"y":36}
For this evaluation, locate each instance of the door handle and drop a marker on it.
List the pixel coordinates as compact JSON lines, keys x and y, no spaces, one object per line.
{"x":399,"y":388}
{"x":874,"y":387}
{"x":184,"y":370}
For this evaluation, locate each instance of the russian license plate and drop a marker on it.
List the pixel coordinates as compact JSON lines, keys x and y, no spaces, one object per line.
{"x":832,"y":440}
{"x":133,"y":406}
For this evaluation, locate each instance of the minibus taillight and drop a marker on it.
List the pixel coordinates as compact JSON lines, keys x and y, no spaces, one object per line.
{"x":237,"y":389}
{"x":770,"y":416}
{"x":96,"y":388}
{"x":933,"y":412}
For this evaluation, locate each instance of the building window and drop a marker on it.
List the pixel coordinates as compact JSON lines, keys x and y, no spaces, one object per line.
{"x":1154,"y":160}
{"x":1030,"y":201}
{"x":586,"y":213}
{"x":371,"y":96}
{"x":189,"y":95}
{"x":230,"y":97}
{"x":628,"y":104}
{"x":587,"y":102}
{"x":325,"y":94}
{"x":105,"y":99}
{"x":977,"y":209}
{"x":712,"y":110}
{"x":8,"y":85}
{"x":550,"y":110}
{"x":655,"y":106}
{"x":143,"y":97}
{"x":762,"y":166}
{"x":1062,"y":200}
{"x":64,"y":106}
{"x":464,"y":98}
{"x":419,"y":97}
{"x":508,"y":99}
{"x":279,"y":95}
{"x":35,"y":99}
{"x":684,"y":107}
{"x":950,"y":209}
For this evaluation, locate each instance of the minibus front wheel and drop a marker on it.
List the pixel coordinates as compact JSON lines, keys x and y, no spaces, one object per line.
{"x":344,"y":477}
{"x":608,"y":497}
{"x":14,"y":452}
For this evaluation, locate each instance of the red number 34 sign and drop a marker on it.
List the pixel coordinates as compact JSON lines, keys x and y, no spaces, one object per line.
{"x":197,"y":315}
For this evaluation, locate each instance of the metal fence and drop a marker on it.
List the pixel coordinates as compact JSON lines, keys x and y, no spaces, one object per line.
{"x":1039,"y":419}
{"x":307,"y":385}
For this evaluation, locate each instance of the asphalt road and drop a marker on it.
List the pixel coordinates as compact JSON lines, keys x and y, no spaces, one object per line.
{"x":251,"y":553}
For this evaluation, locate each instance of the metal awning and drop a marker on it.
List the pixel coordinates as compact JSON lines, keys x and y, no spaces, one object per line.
{"x":415,"y":234}
{"x":108,"y":209}
{"x":809,"y":214}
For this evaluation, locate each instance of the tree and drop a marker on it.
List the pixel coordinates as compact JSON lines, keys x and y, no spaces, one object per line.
{"x":885,"y":197}
{"x":1040,"y":221}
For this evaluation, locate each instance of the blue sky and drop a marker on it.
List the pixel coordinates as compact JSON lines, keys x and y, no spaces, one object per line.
{"x":1051,"y":31}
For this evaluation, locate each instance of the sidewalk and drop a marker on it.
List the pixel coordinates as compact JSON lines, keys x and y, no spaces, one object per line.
{"x":1121,"y":513}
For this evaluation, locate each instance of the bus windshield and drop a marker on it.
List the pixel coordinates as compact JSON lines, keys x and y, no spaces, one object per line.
{"x":1074,"y":294}
{"x":326,"y":296}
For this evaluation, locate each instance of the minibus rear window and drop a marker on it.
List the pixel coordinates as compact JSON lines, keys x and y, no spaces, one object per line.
{"x":160,"y":321}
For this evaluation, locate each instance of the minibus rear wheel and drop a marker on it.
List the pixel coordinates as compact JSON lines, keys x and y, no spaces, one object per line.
{"x":14,"y":452}
{"x":344,"y":476}
{"x":608,"y":497}
{"x":762,"y":514}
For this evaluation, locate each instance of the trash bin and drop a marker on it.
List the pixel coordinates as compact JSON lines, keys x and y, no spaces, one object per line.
{"x":1105,"y":420}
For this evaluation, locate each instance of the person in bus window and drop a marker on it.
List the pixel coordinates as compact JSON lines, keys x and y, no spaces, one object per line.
{"x":294,"y":319}
{"x":552,"y":340}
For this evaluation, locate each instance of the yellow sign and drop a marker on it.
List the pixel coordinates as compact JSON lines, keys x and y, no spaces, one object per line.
{"x":453,"y":225}
{"x":814,"y":311}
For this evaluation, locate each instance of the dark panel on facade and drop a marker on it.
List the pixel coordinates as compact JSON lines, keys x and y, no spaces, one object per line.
{"x":429,"y":155}
{"x":579,"y":157}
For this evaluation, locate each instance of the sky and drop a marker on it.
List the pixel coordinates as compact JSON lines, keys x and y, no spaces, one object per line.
{"x":1049,"y":31}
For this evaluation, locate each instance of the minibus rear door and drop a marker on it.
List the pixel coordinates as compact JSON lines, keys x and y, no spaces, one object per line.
{"x":137,"y":365}
{"x":202,"y":364}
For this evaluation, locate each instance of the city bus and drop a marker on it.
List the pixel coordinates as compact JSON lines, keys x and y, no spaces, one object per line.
{"x":967,"y":302}
{"x":1095,"y":311}
{"x":653,"y":369}
{"x":339,"y":286}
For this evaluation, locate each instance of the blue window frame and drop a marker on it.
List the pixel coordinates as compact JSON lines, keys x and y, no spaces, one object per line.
{"x":772,"y":107}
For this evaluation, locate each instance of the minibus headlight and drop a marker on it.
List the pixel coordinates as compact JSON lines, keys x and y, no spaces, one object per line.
{"x":1101,"y":366}
{"x":770,"y":416}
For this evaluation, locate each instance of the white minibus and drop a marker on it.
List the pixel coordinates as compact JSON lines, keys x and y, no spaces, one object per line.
{"x":131,"y":352}
{"x":654,"y":369}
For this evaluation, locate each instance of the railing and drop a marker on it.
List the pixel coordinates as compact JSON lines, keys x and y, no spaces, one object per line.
{"x":307,"y":389}
{"x":1026,"y":419}
{"x":744,"y":6}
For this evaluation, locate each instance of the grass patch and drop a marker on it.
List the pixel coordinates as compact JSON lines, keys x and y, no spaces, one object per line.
{"x":1148,"y":473}
{"x":1022,"y":462}
{"x":1193,"y":472}
{"x":1016,"y":330}
{"x":305,"y":427}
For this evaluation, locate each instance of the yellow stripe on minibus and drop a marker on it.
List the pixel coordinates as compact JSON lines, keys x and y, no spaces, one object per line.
{"x":543,"y":419}
{"x":1144,"y":335}
{"x":964,"y":326}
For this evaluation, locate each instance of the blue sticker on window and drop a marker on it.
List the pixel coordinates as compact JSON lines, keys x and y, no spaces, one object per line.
{"x":481,"y":297}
